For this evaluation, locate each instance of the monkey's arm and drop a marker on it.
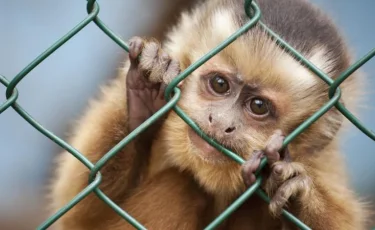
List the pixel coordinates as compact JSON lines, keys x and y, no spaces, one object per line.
{"x":123,"y":106}
{"x":310,"y":187}
{"x":169,"y":200}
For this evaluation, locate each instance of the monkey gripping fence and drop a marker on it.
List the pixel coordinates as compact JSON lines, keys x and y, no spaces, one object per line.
{"x":253,"y":12}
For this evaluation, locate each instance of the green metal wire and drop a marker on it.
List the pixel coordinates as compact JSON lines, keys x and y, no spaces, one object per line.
{"x":91,"y":7}
{"x":285,"y":213}
{"x":49,"y":51}
{"x":134,"y":134}
{"x":253,"y":12}
{"x":85,"y":192}
{"x":235,"y":205}
{"x":10,"y":100}
{"x":342,"y":78}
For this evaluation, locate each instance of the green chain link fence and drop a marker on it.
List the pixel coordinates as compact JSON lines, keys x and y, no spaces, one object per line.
{"x":254,"y":14}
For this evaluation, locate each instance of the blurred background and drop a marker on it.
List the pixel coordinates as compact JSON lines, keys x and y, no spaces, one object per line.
{"x":56,"y":92}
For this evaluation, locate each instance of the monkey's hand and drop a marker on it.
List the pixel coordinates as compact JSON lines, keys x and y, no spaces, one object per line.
{"x":285,"y":181}
{"x":150,"y":69}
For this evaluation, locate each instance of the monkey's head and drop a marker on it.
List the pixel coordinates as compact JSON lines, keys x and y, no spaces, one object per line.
{"x":248,"y":90}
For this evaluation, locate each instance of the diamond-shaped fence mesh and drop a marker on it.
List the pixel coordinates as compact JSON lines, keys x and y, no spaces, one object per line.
{"x":253,"y":12}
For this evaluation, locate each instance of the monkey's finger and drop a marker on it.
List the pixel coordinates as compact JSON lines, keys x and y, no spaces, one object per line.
{"x":173,"y":70}
{"x":250,"y":166}
{"x":148,"y":56}
{"x":135,"y":49}
{"x":297,"y":186}
{"x":285,"y":170}
{"x":282,"y":171}
{"x":274,"y":144}
{"x":160,"y":67}
{"x":154,"y":61}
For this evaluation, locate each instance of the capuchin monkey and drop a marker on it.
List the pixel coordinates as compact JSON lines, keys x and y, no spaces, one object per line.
{"x":248,"y":97}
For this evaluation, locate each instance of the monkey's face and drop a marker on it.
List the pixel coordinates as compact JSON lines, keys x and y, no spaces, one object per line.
{"x":241,"y":95}
{"x":228,"y":109}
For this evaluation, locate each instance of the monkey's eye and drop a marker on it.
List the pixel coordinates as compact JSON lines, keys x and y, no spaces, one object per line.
{"x":259,"y":107}
{"x":219,"y":84}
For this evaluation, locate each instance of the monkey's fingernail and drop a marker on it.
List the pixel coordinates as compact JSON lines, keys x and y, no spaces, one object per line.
{"x":249,"y":180}
{"x":278,"y":169}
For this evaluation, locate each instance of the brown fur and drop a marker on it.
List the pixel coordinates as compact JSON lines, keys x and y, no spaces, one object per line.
{"x":172,"y":199}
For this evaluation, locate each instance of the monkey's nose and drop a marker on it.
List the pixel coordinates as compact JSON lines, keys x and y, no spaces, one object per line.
{"x":230,"y":130}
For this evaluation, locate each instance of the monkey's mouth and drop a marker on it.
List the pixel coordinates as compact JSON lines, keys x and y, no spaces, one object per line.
{"x":204,"y":150}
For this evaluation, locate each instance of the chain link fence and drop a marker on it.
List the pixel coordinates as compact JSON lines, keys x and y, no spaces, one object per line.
{"x":253,"y":12}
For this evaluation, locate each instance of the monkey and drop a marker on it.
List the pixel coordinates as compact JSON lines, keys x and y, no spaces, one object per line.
{"x":248,"y":97}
